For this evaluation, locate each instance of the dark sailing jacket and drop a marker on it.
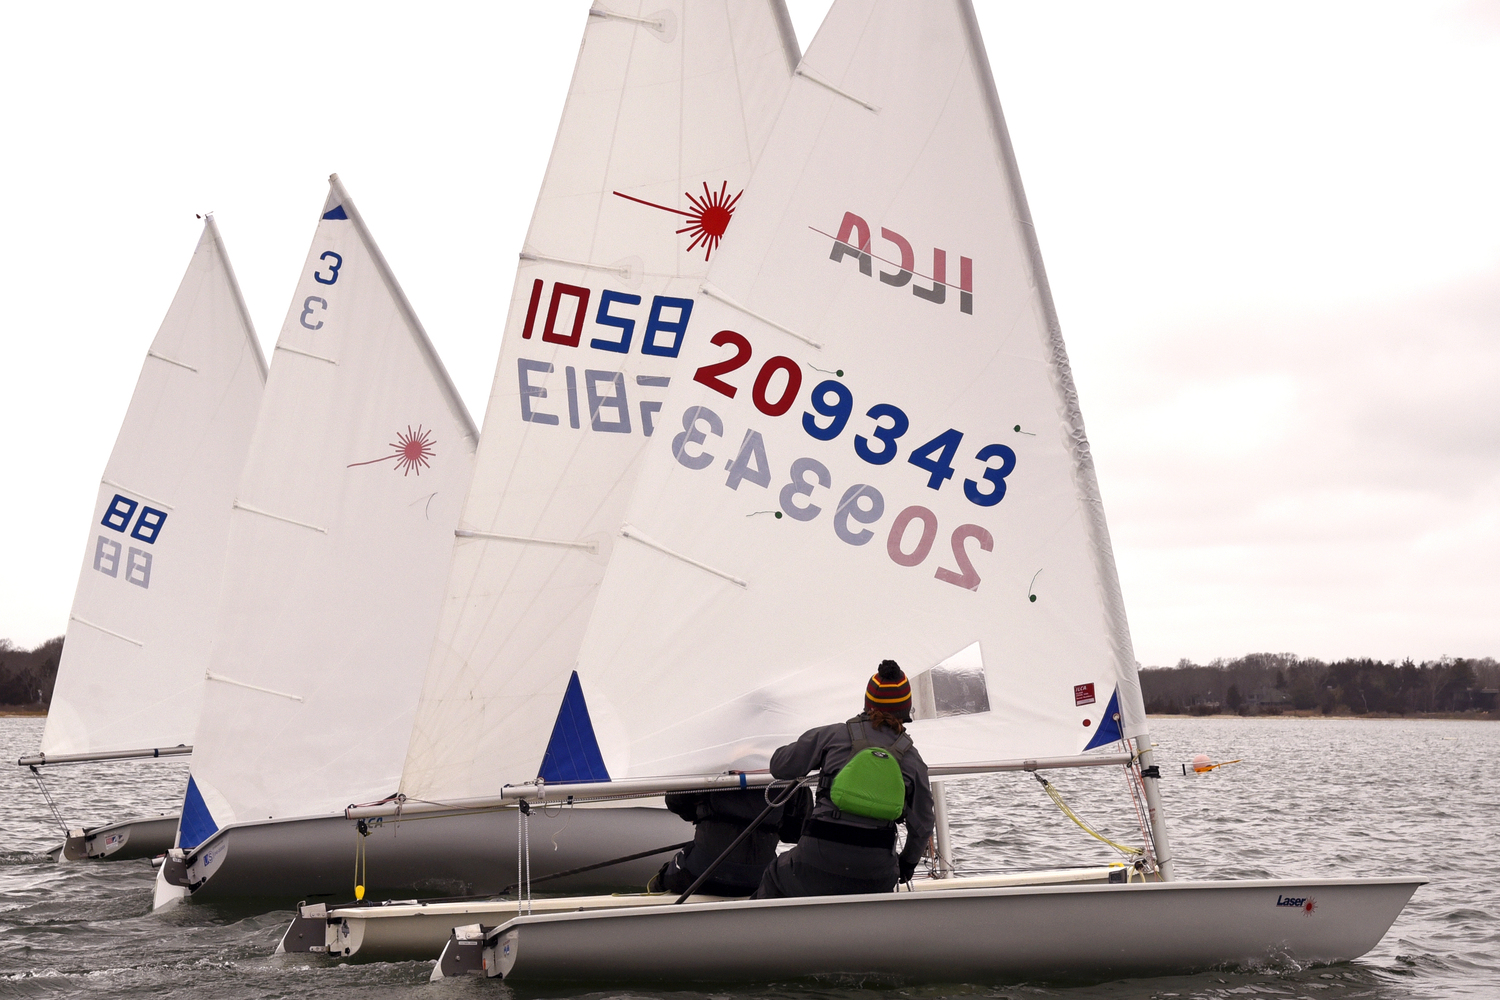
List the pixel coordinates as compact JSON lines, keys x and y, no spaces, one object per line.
{"x":826,"y":750}
{"x":718,"y":818}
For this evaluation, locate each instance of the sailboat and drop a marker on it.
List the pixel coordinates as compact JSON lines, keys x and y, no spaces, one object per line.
{"x":606,"y":303}
{"x":338,"y":544}
{"x":881,"y":455}
{"x":131,"y":678}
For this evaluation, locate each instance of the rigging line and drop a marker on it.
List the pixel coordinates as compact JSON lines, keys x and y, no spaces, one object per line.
{"x":1132,"y":780}
{"x":623,"y":272}
{"x":714,"y":293}
{"x":51,"y":802}
{"x":170,"y":361}
{"x":305,"y":354}
{"x":601,"y":864}
{"x":1055,"y":796}
{"x":627,"y":531}
{"x":210,"y":675}
{"x":592,"y":548}
{"x":812,"y":77}
{"x":520,"y":868}
{"x":278,"y":517}
{"x":143,"y":496}
{"x":106,"y":631}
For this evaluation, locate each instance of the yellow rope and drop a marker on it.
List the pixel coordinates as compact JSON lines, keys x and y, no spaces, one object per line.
{"x":361,"y":865}
{"x":1067,"y":811}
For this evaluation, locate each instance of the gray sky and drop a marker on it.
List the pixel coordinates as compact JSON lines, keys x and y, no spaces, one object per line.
{"x":1273,"y":235}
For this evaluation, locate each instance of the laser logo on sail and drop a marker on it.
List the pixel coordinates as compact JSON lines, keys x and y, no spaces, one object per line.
{"x":853,"y":240}
{"x":413,"y":450}
{"x":707,"y":221}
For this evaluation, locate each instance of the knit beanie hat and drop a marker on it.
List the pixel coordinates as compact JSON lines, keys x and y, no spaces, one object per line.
{"x":889,"y":691}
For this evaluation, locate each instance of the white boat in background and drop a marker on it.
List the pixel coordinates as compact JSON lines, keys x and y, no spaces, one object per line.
{"x":881,"y":455}
{"x":606,"y":300}
{"x":130,"y":682}
{"x":338,"y":547}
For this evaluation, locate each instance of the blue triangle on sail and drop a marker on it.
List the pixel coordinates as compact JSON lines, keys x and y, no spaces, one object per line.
{"x":196,"y":824}
{"x":1109,"y":726}
{"x":336,"y":212}
{"x":573,"y":751}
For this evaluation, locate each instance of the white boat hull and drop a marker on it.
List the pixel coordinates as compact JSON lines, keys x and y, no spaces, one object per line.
{"x":418,"y":931}
{"x":960,"y":935}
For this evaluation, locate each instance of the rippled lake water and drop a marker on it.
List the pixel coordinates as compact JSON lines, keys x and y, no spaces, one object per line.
{"x":1312,"y":797}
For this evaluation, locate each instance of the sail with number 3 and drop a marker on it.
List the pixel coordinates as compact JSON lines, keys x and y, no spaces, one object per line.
{"x":338,"y":549}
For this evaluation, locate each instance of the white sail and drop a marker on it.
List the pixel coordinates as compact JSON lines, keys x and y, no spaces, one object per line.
{"x":338,"y":549}
{"x":881,"y":457}
{"x":668,"y":109}
{"x":142,"y":622}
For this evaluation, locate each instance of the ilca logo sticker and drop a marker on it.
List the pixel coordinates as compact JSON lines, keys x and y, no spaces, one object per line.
{"x":853,"y":240}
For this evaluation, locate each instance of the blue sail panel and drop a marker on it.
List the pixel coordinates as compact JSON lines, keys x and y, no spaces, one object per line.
{"x":196,"y":825}
{"x":336,"y":212}
{"x":1109,"y":725}
{"x":573,"y":751}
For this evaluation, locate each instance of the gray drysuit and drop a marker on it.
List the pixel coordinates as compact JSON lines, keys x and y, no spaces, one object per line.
{"x":830,"y":864}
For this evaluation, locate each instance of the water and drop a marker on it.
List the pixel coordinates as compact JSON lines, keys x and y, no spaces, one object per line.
{"x":1314,"y":797}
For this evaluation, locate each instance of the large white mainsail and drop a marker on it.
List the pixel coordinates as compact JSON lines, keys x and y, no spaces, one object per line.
{"x":880,"y":455}
{"x":142,"y":622}
{"x":338,"y":549}
{"x":668,"y":110}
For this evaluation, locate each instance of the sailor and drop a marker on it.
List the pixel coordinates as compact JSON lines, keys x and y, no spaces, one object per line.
{"x":870,"y":777}
{"x":718,"y":818}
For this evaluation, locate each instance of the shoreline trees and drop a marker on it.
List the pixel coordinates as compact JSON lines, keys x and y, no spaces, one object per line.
{"x":1274,"y":683}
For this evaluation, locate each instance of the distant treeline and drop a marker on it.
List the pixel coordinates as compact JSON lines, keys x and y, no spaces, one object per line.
{"x":27,"y":675}
{"x":1273,"y":683}
{"x":1258,"y":684}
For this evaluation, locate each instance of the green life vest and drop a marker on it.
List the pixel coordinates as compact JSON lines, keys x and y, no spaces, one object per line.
{"x":871,"y":785}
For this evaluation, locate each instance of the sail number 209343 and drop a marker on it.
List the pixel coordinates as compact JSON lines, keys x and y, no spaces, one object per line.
{"x":833,"y":401}
{"x":860,"y":504}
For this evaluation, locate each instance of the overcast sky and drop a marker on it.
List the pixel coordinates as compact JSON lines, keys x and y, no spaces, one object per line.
{"x":1273,"y":235}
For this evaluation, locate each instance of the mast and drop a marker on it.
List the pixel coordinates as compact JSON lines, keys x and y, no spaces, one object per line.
{"x":942,"y":839}
{"x":1132,"y":707}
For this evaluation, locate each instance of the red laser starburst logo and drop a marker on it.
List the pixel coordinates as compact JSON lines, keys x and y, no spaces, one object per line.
{"x":708,"y":219}
{"x":413,"y":449}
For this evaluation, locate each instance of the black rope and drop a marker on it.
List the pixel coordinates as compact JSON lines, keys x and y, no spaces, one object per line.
{"x":771,"y":806}
{"x":602,"y":864}
{"x":51,"y":803}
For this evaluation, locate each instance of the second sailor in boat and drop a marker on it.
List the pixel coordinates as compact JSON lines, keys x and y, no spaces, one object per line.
{"x":718,"y":818}
{"x":870,"y":778}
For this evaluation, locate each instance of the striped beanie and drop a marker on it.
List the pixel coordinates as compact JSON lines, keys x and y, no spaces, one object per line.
{"x":889,"y":691}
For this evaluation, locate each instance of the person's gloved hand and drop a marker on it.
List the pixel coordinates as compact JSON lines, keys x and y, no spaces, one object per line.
{"x":908,"y":869}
